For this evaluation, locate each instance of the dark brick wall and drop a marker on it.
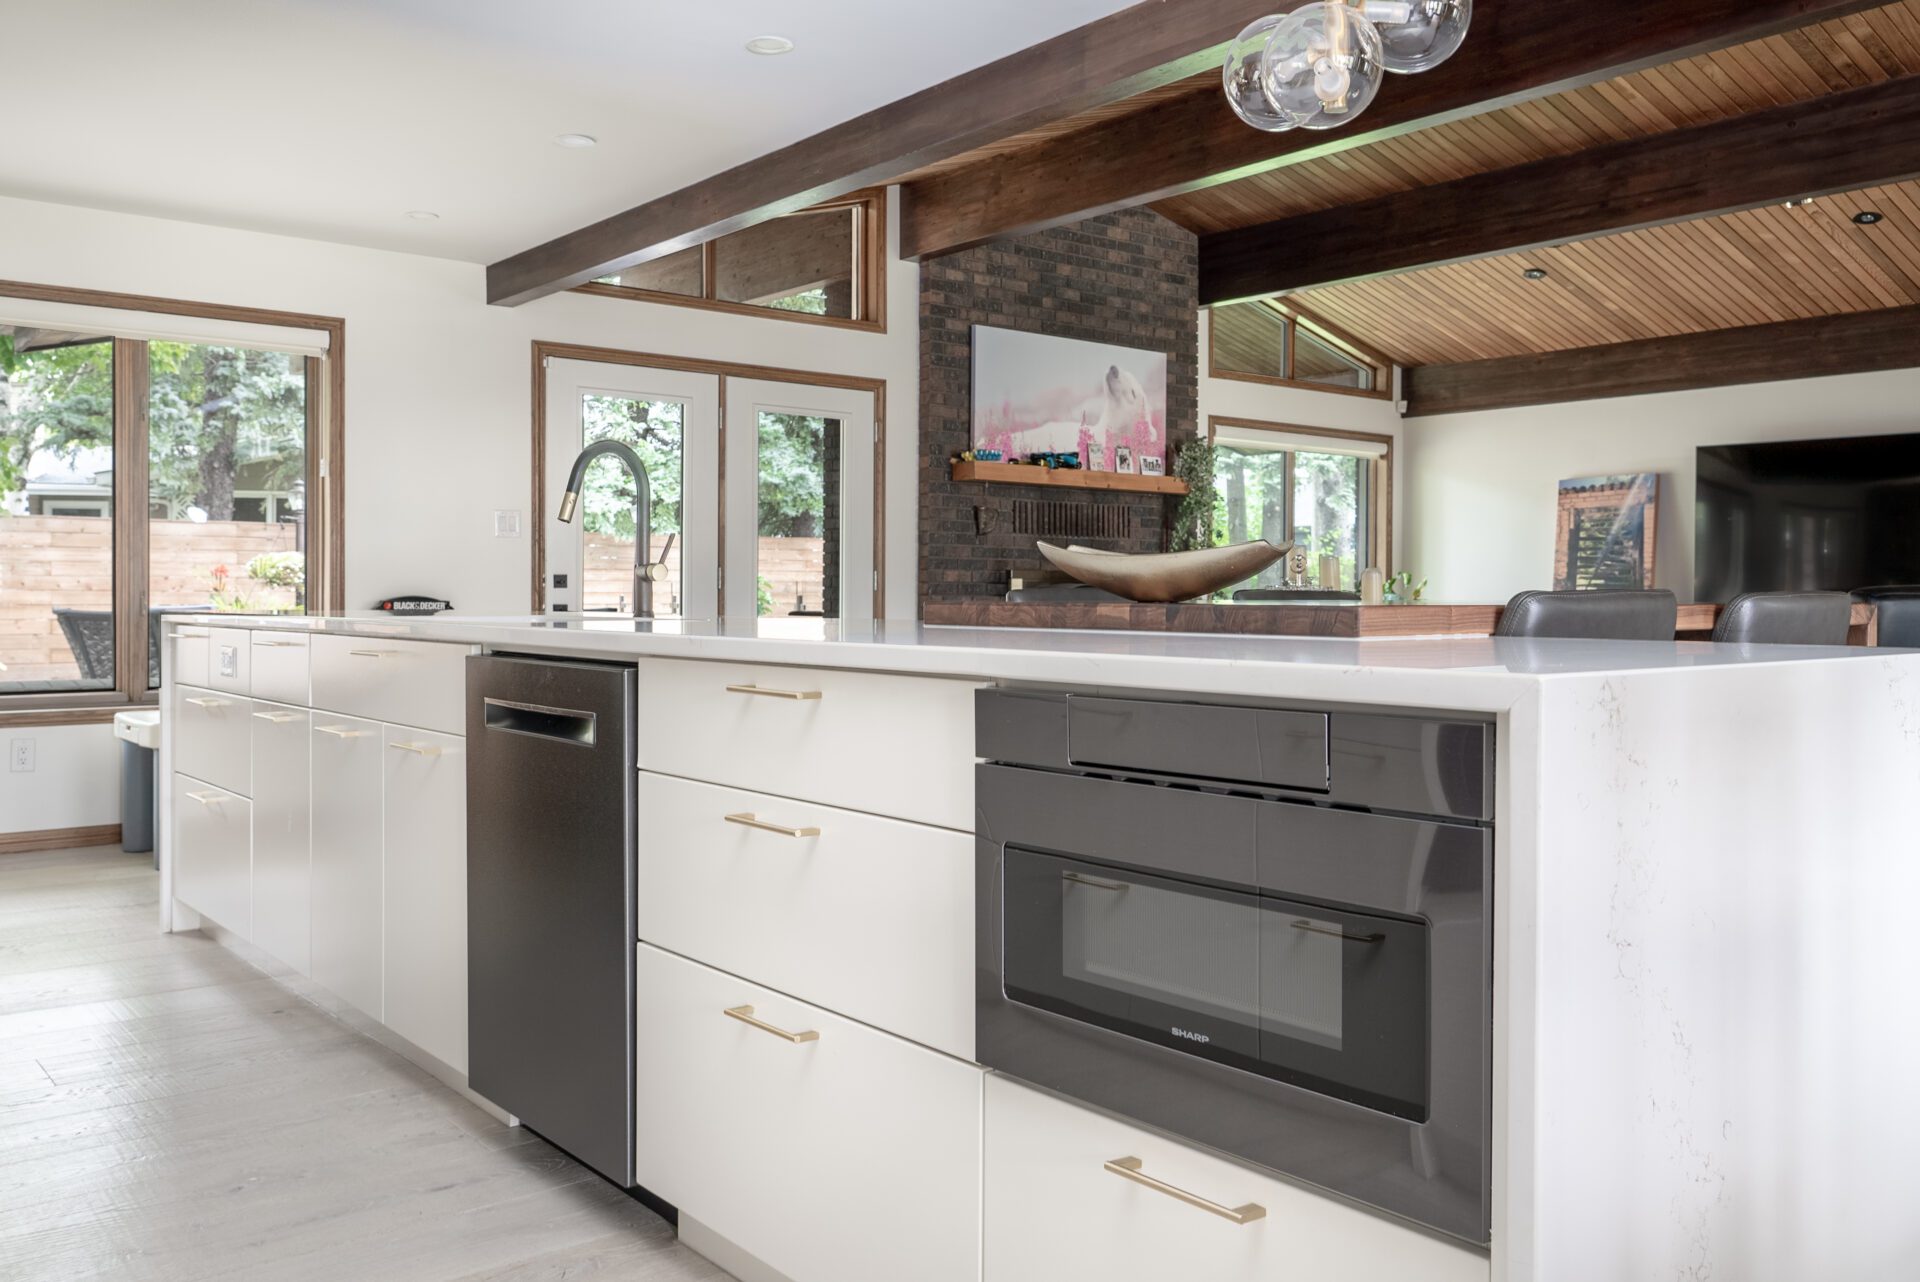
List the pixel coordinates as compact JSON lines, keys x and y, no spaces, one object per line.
{"x":1130,"y":278}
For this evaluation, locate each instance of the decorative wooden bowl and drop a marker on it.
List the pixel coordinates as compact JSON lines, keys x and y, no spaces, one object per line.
{"x":1166,"y":576}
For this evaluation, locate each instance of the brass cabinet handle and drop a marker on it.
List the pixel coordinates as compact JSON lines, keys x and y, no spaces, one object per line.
{"x":420,"y":749}
{"x":1081,"y":879}
{"x":341,"y":732}
{"x":207,"y":798}
{"x":1311,"y":928}
{"x":373,"y":654}
{"x":191,"y":632}
{"x":746,"y":820}
{"x":1128,"y":1168}
{"x":745,"y":1015}
{"x":280,"y":718}
{"x":208,"y":703}
{"x":277,"y":645}
{"x":772,"y":693}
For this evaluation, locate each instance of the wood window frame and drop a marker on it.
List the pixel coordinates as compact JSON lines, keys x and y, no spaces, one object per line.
{"x":543,"y":351}
{"x":869,"y":273}
{"x":1380,"y":482}
{"x":1297,"y":318}
{"x":326,"y":454}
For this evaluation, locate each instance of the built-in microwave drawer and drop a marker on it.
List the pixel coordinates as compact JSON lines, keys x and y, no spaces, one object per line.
{"x":1277,"y":747}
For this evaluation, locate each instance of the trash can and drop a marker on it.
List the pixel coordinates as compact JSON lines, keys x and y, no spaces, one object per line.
{"x":139,"y":735}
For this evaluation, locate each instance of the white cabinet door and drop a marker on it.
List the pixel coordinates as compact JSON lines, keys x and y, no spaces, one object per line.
{"x":845,"y":1156}
{"x":426,"y":891}
{"x":1056,"y":1210}
{"x":280,"y":666}
{"x":212,"y":870}
{"x":282,"y":842}
{"x":347,"y":893}
{"x":212,"y":737}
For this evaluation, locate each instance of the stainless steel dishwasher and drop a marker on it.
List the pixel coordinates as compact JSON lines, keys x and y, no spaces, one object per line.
{"x":551,"y":780}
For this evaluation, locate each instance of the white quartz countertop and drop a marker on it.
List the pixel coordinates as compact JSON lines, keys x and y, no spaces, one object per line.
{"x":1466,"y":673}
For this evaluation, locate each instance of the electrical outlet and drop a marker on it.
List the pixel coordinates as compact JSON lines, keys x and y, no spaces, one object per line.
{"x":20,"y":759}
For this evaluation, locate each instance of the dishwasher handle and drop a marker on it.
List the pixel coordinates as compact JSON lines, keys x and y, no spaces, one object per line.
{"x":567,"y":725}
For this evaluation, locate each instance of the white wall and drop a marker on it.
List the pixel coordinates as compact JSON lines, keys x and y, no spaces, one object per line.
{"x":1482,"y":487}
{"x":1298,"y":407}
{"x":75,"y":782}
{"x":439,"y":385}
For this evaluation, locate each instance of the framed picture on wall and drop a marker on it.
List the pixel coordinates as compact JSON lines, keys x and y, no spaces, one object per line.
{"x":1605,"y":532}
{"x":1037,"y":393}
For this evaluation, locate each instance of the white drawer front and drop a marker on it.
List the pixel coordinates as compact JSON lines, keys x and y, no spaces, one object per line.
{"x":409,"y":683}
{"x":425,"y":807}
{"x":851,"y":1157}
{"x":888,"y":745}
{"x":1054,"y":1210}
{"x":230,"y":659}
{"x":213,"y":737}
{"x":280,"y":667}
{"x":212,"y":859}
{"x":282,"y":839}
{"x":347,"y":891}
{"x":186,"y":663}
{"x":869,"y":917}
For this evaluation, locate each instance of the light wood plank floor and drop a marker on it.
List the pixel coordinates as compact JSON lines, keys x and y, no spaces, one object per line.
{"x":167,"y":1112}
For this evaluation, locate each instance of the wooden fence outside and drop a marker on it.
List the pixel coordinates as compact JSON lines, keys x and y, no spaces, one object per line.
{"x":48,"y":561}
{"x":794,"y":569}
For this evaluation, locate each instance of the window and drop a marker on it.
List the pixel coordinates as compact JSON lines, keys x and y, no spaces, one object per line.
{"x":656,"y":431}
{"x":798,"y":549}
{"x":825,"y":264}
{"x":144,"y":475}
{"x":1272,"y":341}
{"x":1328,"y":494}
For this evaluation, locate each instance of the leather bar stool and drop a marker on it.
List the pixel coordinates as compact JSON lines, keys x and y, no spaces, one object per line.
{"x":1786,"y":618}
{"x":1608,"y":614}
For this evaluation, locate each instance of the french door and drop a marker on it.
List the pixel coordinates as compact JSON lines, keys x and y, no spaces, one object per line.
{"x":788,"y":477}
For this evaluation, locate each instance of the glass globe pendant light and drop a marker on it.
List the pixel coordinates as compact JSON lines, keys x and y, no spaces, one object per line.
{"x":1323,"y":65}
{"x":1242,"y":79}
{"x":1418,"y":35}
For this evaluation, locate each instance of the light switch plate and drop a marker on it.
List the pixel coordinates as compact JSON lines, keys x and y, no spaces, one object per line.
{"x":506,"y":523}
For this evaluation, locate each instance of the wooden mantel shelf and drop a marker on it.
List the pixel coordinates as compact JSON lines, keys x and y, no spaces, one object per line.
{"x":1068,"y":478}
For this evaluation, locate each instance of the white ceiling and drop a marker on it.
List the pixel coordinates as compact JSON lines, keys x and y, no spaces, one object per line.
{"x":332,"y":118}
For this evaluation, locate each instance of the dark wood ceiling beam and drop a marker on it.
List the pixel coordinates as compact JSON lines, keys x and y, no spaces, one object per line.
{"x":1517,"y":51}
{"x":1854,"y":343}
{"x":1149,"y":45}
{"x":1860,"y":138}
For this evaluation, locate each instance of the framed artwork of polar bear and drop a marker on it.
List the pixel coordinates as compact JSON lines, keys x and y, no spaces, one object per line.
{"x":1036,"y":393}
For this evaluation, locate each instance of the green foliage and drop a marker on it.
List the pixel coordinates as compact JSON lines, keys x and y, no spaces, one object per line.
{"x":811,"y":301}
{"x":1402,"y":590}
{"x":1194,"y":519}
{"x":793,"y":475}
{"x":762,"y":596}
{"x":654,"y":430}
{"x":278,"y":569}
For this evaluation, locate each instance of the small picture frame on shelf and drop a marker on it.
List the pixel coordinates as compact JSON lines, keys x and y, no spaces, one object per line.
{"x":1152,"y":465}
{"x":1122,"y":458}
{"x":1095,"y":459}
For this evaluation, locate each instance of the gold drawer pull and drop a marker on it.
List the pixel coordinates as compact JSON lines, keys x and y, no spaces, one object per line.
{"x":1128,"y":1168}
{"x":772,"y":693}
{"x":745,"y":1015}
{"x":419,"y":749}
{"x":277,"y":645}
{"x":207,"y":798}
{"x":373,"y":654}
{"x":209,"y":703}
{"x":280,"y":718}
{"x":341,"y":732}
{"x":746,"y":820}
{"x":191,"y":632}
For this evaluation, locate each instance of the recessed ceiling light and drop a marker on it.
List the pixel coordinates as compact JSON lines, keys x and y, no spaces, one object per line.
{"x":423,"y":215}
{"x":576,"y":140}
{"x":1868,"y":217}
{"x":1799,"y":202}
{"x":768,"y":46}
{"x":1535,"y":273}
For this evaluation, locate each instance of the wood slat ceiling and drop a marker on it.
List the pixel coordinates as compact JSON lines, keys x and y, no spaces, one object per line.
{"x":1865,"y":48}
{"x":1748,"y":268}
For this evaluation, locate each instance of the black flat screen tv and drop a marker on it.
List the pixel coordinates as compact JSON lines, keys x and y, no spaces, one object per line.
{"x":1832,"y":515}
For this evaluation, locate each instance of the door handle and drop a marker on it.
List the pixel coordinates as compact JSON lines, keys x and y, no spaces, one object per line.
{"x":746,"y":820}
{"x":420,"y":749}
{"x":208,"y":703}
{"x":1128,"y":1168}
{"x":280,"y":718}
{"x":1311,"y":928}
{"x":341,"y":732}
{"x":771,"y":693}
{"x":745,"y":1015}
{"x":206,"y":798}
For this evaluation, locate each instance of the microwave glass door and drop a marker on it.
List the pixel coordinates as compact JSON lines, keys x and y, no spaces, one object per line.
{"x":1326,"y":999}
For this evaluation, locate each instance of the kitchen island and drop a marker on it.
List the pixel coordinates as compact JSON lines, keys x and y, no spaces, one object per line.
{"x":1697,"y":1062}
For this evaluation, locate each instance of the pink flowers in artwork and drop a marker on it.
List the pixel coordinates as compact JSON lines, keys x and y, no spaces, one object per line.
{"x":1036,"y":392}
